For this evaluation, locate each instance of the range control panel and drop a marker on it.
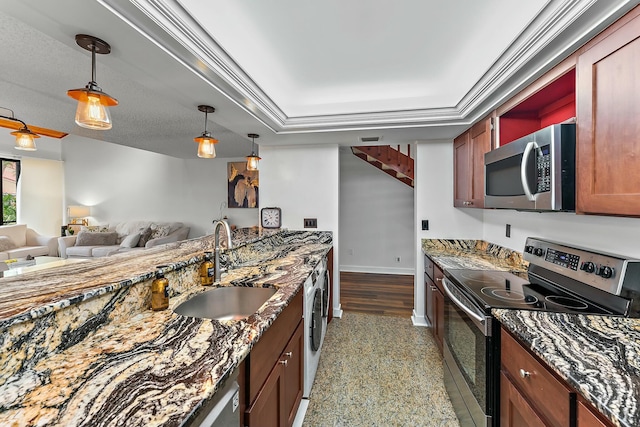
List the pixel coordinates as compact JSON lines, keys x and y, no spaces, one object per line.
{"x":605,"y":271}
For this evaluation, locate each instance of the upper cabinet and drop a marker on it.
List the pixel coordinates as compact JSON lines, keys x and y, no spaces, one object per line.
{"x":608,"y":121}
{"x":469,"y":149}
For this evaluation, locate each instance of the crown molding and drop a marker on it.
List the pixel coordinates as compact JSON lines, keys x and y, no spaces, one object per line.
{"x":561,"y":27}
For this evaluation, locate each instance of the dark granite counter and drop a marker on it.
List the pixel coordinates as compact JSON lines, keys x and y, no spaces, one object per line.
{"x":473,"y":254}
{"x":80,"y":346}
{"x":599,"y":356}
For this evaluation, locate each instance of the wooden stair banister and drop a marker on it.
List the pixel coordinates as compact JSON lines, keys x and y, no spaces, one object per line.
{"x":389,"y":160}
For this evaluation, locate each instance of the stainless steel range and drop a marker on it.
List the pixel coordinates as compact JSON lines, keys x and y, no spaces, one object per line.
{"x":560,"y":278}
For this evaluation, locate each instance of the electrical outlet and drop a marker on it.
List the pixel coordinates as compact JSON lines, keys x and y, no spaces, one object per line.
{"x":350,"y":251}
{"x":311,"y":223}
{"x":425,"y":224}
{"x":508,"y":230}
{"x":397,"y":259}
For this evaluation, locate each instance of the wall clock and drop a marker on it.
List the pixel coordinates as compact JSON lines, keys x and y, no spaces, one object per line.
{"x":271,"y":217}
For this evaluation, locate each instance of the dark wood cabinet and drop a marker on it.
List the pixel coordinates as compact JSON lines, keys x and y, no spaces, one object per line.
{"x":532,"y":395}
{"x":434,"y":300}
{"x":274,"y":371}
{"x":469,"y":150}
{"x":608,"y":107}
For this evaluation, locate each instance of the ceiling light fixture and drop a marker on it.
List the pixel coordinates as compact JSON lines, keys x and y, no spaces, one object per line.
{"x":93,"y":103}
{"x":25,"y":139}
{"x":253,"y":159}
{"x":206,"y":143}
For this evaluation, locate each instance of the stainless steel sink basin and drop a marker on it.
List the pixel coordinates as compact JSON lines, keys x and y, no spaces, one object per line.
{"x":225,"y":303}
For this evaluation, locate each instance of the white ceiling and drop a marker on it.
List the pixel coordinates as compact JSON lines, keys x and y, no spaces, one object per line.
{"x":294,"y":72}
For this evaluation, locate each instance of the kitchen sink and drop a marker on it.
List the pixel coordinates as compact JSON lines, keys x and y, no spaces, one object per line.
{"x":225,"y":303}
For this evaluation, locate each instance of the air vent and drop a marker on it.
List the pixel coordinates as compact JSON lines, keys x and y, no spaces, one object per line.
{"x":368,"y":139}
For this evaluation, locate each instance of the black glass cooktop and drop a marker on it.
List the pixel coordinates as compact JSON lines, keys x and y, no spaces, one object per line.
{"x":502,"y":289}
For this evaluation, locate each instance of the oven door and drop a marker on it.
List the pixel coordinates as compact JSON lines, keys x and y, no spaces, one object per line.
{"x":470,"y":359}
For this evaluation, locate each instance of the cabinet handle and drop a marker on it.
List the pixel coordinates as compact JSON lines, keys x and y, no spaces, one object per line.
{"x":433,"y":288}
{"x":288,"y":354}
{"x":438,"y":279}
{"x":524,"y":374}
{"x":284,"y":362}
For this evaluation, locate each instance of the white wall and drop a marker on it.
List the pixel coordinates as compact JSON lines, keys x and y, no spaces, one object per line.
{"x":376,"y":219}
{"x":434,"y":202}
{"x":121,"y":183}
{"x":304,"y":182}
{"x":40,"y":195}
{"x":608,"y":234}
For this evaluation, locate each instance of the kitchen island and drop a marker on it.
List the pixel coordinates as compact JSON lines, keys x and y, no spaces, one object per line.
{"x":80,"y":345}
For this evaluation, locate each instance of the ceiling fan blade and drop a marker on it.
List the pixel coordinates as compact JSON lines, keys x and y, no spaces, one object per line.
{"x":10,"y":124}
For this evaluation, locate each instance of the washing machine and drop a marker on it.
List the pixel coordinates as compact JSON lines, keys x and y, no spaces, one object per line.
{"x":316,"y":310}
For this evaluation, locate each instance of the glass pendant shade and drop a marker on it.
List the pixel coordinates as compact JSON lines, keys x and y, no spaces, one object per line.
{"x":252,"y":162}
{"x":25,"y":139}
{"x":206,"y":146}
{"x":93,"y":111}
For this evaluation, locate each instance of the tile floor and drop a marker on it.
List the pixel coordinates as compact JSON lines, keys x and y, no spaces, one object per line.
{"x":378,"y":371}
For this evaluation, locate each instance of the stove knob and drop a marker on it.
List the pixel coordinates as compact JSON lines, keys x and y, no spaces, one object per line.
{"x":528,"y":249}
{"x":538,"y":251}
{"x":606,"y":272}
{"x":588,"y":266}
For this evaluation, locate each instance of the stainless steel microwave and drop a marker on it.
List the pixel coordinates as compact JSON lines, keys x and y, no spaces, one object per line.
{"x":536,"y":172}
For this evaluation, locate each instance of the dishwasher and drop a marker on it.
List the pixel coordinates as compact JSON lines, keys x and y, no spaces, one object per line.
{"x":222,"y":410}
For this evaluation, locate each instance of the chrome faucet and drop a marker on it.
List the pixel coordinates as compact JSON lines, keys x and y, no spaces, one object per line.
{"x":216,"y":231}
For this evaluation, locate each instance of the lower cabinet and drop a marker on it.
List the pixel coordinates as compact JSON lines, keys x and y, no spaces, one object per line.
{"x":532,"y":395}
{"x":274,"y":371}
{"x":278,"y":399}
{"x":434,"y":300}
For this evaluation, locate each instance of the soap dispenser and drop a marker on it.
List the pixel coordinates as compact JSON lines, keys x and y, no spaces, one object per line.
{"x":160,"y":291}
{"x":207,"y":270}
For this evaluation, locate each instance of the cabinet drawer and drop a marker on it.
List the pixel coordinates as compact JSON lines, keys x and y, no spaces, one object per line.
{"x":428,"y":267}
{"x":437,"y":278}
{"x":587,"y":417}
{"x":546,"y":394}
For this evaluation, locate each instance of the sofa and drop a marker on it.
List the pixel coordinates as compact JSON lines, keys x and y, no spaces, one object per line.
{"x":129,"y":236}
{"x":19,"y":241}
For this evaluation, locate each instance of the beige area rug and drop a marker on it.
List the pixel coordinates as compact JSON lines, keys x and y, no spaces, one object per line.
{"x":378,"y":371}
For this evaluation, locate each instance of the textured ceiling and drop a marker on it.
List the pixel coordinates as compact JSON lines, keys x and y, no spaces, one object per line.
{"x":293,"y":72}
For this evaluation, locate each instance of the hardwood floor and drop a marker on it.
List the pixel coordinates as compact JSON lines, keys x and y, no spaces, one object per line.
{"x":382,"y":294}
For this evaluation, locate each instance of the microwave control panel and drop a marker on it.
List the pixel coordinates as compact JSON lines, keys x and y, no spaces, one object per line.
{"x":543,"y":169}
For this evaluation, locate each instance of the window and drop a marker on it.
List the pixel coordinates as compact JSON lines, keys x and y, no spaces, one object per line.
{"x":9,"y":187}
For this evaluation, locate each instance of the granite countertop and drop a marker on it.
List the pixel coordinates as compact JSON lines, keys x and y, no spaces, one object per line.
{"x":599,"y":356}
{"x":146,"y":368}
{"x":473,"y":255}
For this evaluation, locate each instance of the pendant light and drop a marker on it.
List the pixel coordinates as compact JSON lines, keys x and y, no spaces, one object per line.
{"x":25,"y":139}
{"x":253,"y":159}
{"x":93,"y":103}
{"x":206,"y":143}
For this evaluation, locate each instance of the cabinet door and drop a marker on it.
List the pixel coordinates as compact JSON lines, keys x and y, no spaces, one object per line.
{"x":586,"y":418}
{"x":608,"y":108}
{"x":480,"y":144}
{"x":293,"y":355}
{"x":266,"y":410}
{"x":438,"y":308}
{"x":462,"y":170}
{"x":515,"y":410}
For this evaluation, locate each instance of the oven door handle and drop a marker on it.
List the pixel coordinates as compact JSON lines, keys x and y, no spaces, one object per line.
{"x":463,"y":307}
{"x":523,"y":169}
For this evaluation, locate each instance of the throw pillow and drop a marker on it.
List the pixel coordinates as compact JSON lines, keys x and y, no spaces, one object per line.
{"x":6,"y":243}
{"x":145,"y":236}
{"x":160,"y":230}
{"x":92,"y":238}
{"x":130,"y":241}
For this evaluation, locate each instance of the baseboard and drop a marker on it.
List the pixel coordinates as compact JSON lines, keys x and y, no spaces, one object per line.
{"x":337,"y":312}
{"x":419,"y":320}
{"x":376,"y":270}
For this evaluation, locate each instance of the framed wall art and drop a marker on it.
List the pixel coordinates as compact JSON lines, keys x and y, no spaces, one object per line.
{"x":242,"y":186}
